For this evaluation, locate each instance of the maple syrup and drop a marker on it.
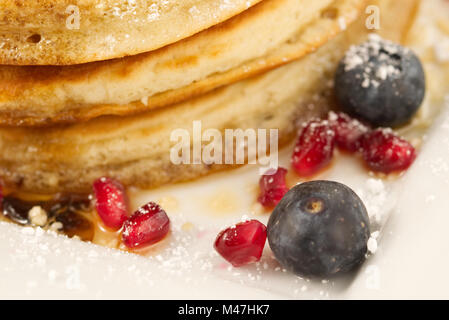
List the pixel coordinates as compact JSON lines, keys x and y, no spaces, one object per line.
{"x":72,"y":212}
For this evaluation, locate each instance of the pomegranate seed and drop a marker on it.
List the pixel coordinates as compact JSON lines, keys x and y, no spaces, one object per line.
{"x":314,"y":148}
{"x":146,"y":226}
{"x":348,"y":131}
{"x":112,"y":202}
{"x":385,"y":152}
{"x":272,"y":187}
{"x":243,"y":243}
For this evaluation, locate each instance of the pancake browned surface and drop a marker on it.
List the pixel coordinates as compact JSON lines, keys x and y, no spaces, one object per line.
{"x":60,"y":32}
{"x":270,"y":34}
{"x":136,"y":150}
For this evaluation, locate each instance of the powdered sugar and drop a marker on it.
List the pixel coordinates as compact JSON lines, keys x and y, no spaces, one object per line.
{"x":372,"y":242}
{"x":373,"y":73}
{"x":374,"y":195}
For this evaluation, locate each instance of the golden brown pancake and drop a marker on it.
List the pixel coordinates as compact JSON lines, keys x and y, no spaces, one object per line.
{"x":136,"y":149}
{"x":270,"y":34}
{"x":62,"y":32}
{"x":432,"y":24}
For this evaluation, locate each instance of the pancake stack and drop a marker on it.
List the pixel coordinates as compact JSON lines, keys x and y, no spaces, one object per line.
{"x":103,"y":99}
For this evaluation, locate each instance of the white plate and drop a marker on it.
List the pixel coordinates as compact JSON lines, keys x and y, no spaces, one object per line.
{"x":411,"y":261}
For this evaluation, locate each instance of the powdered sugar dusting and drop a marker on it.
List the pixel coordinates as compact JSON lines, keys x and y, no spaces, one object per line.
{"x":373,"y":73}
{"x":375,"y":197}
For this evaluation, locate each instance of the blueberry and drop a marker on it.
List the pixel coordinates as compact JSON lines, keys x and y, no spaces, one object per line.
{"x":320,"y":228}
{"x":380,"y":82}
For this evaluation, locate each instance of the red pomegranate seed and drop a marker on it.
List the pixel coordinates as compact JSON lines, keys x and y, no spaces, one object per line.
{"x":348,"y":131}
{"x":314,"y":148}
{"x":243,"y":243}
{"x":148,"y":225}
{"x":385,"y":152}
{"x":272,"y":187}
{"x":112,"y":202}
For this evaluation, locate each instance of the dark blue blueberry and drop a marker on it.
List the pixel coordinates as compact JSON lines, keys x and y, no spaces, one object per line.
{"x":320,"y":228}
{"x":380,"y":82}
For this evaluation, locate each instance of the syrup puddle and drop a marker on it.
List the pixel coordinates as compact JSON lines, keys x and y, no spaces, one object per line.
{"x":71,"y":215}
{"x":68,"y":214}
{"x":223,"y":202}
